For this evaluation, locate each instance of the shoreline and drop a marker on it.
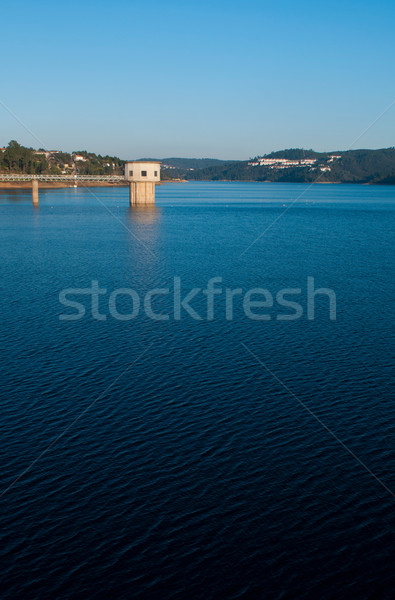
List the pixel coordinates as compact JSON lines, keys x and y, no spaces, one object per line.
{"x":27,"y":185}
{"x":55,"y":184}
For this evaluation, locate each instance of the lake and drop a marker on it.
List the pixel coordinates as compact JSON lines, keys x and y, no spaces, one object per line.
{"x":198,"y":399}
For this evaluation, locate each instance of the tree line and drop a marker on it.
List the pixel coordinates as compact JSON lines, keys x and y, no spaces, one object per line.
{"x":16,"y":158}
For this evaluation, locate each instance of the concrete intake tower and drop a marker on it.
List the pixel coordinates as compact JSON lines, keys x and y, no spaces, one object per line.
{"x":142,"y":177}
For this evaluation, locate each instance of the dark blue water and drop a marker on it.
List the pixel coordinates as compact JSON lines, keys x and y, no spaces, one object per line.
{"x":207,"y":459}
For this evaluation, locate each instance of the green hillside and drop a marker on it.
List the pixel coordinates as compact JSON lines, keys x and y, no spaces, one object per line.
{"x":352,"y":166}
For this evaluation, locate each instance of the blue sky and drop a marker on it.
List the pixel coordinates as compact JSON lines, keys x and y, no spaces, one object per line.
{"x":199,"y":79}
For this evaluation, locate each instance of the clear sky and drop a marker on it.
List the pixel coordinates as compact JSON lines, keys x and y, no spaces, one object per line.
{"x":215,"y":78}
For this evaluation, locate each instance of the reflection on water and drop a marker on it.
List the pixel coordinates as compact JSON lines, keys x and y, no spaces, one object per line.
{"x":144,"y":225}
{"x":144,"y":215}
{"x":14,"y":195}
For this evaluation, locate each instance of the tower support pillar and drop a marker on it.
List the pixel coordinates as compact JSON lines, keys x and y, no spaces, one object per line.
{"x":35,"y":192}
{"x":141,"y":193}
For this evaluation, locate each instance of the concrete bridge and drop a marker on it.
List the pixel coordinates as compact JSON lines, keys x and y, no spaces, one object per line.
{"x":141,"y":176}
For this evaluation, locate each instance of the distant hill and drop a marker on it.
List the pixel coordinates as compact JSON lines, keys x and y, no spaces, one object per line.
{"x":193,"y":163}
{"x":305,"y":166}
{"x":296,"y":154}
{"x":179,"y":168}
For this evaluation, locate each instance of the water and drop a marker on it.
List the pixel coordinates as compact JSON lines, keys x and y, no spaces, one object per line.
{"x":182,"y":465}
